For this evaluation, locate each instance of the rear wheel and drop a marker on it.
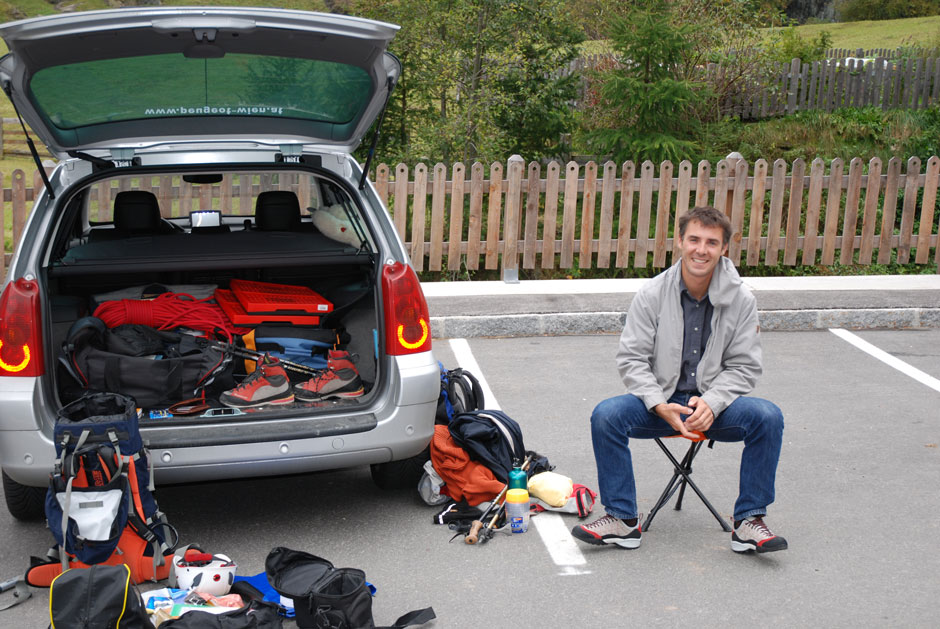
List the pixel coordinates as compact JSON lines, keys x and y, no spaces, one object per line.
{"x":24,"y":502}
{"x":402,"y":474}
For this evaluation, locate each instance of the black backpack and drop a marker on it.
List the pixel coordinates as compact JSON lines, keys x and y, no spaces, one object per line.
{"x":460,"y":392}
{"x":101,"y":597}
{"x":490,"y":437}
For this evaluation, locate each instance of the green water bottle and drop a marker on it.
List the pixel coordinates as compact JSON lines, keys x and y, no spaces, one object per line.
{"x":518,"y":478}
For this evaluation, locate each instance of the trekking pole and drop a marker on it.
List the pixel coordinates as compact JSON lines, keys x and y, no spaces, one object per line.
{"x":21,"y":594}
{"x":244,"y":352}
{"x":477,"y":527}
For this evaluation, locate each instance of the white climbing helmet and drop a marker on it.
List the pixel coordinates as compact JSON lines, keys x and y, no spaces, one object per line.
{"x":203,"y":572}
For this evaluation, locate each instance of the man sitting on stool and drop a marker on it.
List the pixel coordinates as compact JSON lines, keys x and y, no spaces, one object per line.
{"x":689,"y":353}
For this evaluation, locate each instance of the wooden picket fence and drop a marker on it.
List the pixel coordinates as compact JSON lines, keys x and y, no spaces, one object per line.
{"x":836,"y":83}
{"x":572,"y":216}
{"x":843,"y":81}
{"x":887,"y":53}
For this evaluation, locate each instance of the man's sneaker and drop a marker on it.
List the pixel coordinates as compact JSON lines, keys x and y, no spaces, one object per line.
{"x":609,"y":530}
{"x":752,"y":534}
{"x":339,"y":380}
{"x":268,"y":384}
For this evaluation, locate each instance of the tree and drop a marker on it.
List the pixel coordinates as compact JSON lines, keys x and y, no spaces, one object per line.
{"x":538,"y":100}
{"x":643,"y":107}
{"x":478,"y":77}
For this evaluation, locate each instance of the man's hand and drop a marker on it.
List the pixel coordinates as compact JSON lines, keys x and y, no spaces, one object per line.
{"x":701,"y":420}
{"x":671,"y":414}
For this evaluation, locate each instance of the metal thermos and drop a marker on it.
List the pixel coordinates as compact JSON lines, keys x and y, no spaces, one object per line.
{"x":518,"y":479}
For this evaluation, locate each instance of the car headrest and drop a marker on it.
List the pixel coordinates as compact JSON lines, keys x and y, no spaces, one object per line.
{"x":277,"y":210}
{"x":136,"y":211}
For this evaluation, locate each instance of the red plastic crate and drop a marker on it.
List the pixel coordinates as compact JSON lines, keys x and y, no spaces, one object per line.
{"x":268,"y":298}
{"x":239,"y":316}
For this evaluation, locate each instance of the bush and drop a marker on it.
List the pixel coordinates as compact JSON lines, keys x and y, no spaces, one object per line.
{"x":858,"y":10}
{"x":787,"y":44}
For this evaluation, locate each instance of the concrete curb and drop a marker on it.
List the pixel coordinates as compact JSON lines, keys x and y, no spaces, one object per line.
{"x":570,"y":323}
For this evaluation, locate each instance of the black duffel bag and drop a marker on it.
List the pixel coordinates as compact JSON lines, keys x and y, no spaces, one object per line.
{"x":255,"y":615}
{"x":157,"y":368}
{"x":326,"y":597}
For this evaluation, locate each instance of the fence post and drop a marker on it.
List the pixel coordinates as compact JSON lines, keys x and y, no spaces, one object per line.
{"x":588,"y":209}
{"x":514,"y":168}
{"x":793,"y":85}
{"x":853,"y":195}
{"x":438,"y":197}
{"x":455,"y":220}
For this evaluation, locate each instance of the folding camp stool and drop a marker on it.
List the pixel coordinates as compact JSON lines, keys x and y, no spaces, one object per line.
{"x":680,"y":478}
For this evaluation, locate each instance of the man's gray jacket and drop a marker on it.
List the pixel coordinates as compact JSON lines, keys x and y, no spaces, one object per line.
{"x":650,"y":354}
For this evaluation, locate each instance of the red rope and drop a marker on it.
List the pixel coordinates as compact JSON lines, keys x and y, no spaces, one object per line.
{"x":167,"y":311}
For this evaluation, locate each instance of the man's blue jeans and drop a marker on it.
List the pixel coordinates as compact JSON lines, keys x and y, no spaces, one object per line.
{"x":756,"y":422}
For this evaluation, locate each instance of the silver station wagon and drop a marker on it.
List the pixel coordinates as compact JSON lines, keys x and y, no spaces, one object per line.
{"x":204,"y":166}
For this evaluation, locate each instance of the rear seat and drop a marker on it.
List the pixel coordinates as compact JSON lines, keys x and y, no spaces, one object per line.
{"x":277,"y":210}
{"x":136,"y":213}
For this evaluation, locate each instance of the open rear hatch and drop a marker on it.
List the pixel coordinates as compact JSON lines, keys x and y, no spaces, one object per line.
{"x":132,"y":79}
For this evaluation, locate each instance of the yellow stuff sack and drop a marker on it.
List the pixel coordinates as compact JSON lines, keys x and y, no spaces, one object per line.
{"x":551,"y":488}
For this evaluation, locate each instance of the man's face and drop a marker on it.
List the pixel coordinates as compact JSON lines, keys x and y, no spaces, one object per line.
{"x":701,"y":248}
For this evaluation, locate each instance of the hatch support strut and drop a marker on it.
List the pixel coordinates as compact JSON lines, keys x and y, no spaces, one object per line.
{"x":375,"y":136}
{"x":29,"y":142}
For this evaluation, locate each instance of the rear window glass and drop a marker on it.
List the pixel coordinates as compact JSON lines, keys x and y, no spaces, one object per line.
{"x":165,"y":86}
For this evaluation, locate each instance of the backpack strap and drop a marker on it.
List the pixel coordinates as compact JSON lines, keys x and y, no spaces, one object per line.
{"x":416,"y":617}
{"x":68,"y":497}
{"x":497,"y":418}
{"x":469,"y":385}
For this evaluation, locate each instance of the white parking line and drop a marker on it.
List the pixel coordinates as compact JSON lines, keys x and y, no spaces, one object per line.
{"x":552,"y":529}
{"x":887,"y":358}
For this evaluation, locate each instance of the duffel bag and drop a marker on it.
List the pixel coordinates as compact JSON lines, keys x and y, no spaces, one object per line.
{"x":157,"y":368}
{"x":326,"y":597}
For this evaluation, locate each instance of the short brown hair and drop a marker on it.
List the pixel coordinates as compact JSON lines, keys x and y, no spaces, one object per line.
{"x":708,"y":217}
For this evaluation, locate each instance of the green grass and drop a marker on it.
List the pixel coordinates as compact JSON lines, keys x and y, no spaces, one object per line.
{"x":923,"y":31}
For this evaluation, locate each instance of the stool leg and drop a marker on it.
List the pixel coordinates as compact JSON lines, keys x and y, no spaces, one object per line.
{"x":683,"y":469}
{"x":670,"y":487}
{"x":721,"y":520}
{"x":663,"y":499}
{"x":687,"y":468}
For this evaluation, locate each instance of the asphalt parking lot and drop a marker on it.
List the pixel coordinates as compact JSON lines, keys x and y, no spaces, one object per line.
{"x":856,"y":497}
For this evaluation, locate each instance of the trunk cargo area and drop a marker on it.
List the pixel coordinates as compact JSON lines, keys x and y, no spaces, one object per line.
{"x":105,"y":262}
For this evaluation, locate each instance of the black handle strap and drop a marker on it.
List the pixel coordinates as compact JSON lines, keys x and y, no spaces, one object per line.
{"x":413,"y":618}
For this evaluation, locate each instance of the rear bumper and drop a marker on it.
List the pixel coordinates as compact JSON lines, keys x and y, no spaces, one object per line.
{"x":399,"y":427}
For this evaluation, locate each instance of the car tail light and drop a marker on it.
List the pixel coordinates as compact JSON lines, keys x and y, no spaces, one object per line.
{"x":407,"y":322}
{"x":20,"y":330}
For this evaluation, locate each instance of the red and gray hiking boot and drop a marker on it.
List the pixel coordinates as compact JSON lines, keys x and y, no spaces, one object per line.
{"x":752,"y":534}
{"x":339,"y":380}
{"x":609,"y":530}
{"x":268,"y":384}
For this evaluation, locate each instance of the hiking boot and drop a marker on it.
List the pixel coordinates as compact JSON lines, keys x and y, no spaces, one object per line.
{"x":339,"y":380}
{"x":609,"y":530}
{"x":267,"y":384}
{"x":752,"y":534}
